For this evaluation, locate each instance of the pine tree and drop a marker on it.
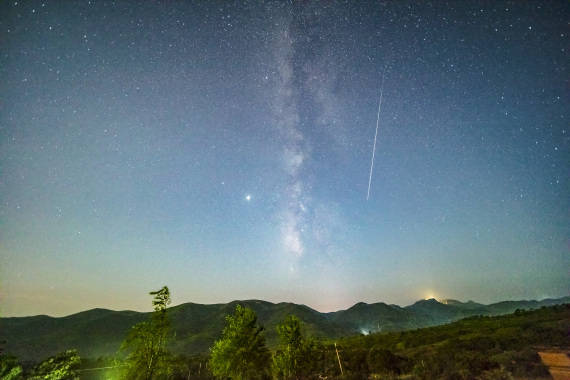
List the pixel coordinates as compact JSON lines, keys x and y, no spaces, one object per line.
{"x":241,"y":352}
{"x":146,"y":342}
{"x":294,"y":358}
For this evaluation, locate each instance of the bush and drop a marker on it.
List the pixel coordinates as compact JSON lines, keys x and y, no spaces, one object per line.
{"x":383,"y":361}
{"x":496,"y":374}
{"x":59,"y":367}
{"x":10,"y":369}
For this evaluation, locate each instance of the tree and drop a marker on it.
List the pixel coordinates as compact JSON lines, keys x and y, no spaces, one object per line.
{"x":59,"y":367}
{"x":145,"y":344}
{"x":293,"y":359}
{"x":241,"y":352}
{"x":10,"y":369}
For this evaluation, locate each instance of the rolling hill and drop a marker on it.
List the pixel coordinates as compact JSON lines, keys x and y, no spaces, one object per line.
{"x":99,"y":332}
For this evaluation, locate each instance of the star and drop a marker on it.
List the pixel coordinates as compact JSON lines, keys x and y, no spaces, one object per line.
{"x":248,"y":197}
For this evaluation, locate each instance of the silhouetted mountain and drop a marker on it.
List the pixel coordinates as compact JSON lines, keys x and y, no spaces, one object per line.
{"x":376,"y":317}
{"x":99,"y":332}
{"x":432,"y":312}
{"x":469,"y":305}
{"x":507,"y":307}
{"x":197,"y":326}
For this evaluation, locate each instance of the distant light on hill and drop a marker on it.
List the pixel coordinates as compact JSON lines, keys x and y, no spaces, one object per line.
{"x":430,"y":295}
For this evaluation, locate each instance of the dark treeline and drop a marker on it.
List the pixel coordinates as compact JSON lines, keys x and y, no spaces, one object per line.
{"x":474,"y":348}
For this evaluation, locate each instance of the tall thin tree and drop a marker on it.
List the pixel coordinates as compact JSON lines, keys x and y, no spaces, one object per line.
{"x":147,"y":354}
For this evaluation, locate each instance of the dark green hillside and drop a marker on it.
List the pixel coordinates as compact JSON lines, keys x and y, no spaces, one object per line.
{"x":99,"y":332}
{"x":508,"y":307}
{"x":469,"y":305}
{"x":501,"y":345}
{"x":94,"y":332}
{"x":197,"y":326}
{"x":365,"y":318}
{"x":481,"y":347}
{"x":548,"y":326}
{"x":431,"y":312}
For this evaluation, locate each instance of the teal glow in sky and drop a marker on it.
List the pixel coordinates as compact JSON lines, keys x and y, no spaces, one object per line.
{"x":223,"y":149}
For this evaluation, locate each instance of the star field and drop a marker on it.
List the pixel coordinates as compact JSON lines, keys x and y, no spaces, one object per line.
{"x":223,"y":149}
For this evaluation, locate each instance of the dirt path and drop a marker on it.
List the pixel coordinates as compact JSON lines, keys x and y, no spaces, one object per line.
{"x":558,"y":364}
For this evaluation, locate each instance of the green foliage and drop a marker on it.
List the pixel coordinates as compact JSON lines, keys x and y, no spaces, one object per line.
{"x":148,"y":357}
{"x":496,"y":374}
{"x":59,"y":367}
{"x":161,"y":299}
{"x":108,"y":368}
{"x":353,"y":361}
{"x":521,"y":363}
{"x":100,"y":332}
{"x":383,"y":361}
{"x":450,"y":363}
{"x":194,"y":367}
{"x":478,"y":347}
{"x":10,"y":368}
{"x":294,"y":359}
{"x":241,"y":352}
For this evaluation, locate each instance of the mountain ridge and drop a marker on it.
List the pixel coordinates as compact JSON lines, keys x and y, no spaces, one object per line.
{"x":99,"y":332}
{"x":441,"y":301}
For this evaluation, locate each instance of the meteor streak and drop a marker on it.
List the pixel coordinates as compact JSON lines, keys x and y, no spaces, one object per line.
{"x":376,"y":134}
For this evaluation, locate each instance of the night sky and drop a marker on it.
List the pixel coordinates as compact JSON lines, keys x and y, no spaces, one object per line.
{"x":224,"y":149}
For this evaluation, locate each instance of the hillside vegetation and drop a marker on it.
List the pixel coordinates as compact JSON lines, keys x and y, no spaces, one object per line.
{"x":99,"y":332}
{"x":477,"y":347}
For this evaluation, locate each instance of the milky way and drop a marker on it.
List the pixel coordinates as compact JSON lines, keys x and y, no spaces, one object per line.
{"x":224,"y":149}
